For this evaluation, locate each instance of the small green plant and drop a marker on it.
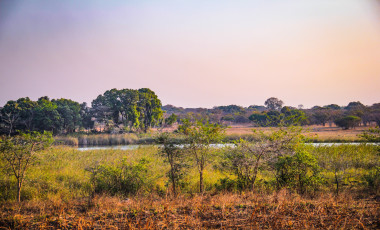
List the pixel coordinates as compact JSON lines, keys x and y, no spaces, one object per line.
{"x":372,"y":135}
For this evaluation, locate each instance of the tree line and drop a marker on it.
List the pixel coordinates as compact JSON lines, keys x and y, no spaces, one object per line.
{"x":273,"y":114}
{"x":127,"y":109}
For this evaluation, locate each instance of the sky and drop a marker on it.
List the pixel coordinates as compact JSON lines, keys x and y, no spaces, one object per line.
{"x":198,"y":53}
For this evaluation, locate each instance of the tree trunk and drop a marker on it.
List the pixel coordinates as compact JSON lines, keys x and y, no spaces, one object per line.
{"x":201,"y":181}
{"x":174,"y":184}
{"x":337,"y":184}
{"x":10,"y":129}
{"x":19,"y":185}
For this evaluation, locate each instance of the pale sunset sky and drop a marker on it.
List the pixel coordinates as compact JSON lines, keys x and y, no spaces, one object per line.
{"x":192,"y":53}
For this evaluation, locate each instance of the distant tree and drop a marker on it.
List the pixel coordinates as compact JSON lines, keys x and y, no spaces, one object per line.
{"x":256,"y":108}
{"x":355,"y":105}
{"x":171,"y":119}
{"x":228,"y":117}
{"x":241,"y":119}
{"x":357,"y":109}
{"x":19,"y":153}
{"x":321,"y":116}
{"x":172,"y":109}
{"x":293,"y":116}
{"x":274,"y":118}
{"x":332,"y":106}
{"x":27,"y":109}
{"x":259,"y":118}
{"x":231,"y":109}
{"x":101,"y":111}
{"x":10,"y":115}
{"x":374,"y":113}
{"x":46,"y":116}
{"x":348,"y":122}
{"x":149,"y":108}
{"x":273,"y":103}
{"x":70,"y":115}
{"x":129,"y":99}
{"x":86,"y":116}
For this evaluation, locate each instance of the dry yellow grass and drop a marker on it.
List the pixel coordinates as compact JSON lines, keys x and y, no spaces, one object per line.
{"x":223,"y":211}
{"x":320,"y":133}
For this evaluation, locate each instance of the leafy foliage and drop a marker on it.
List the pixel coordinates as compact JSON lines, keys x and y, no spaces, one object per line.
{"x":348,"y":122}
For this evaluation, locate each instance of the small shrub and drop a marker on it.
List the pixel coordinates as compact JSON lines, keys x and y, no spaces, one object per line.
{"x":373,"y":180}
{"x":299,"y":171}
{"x":125,"y":179}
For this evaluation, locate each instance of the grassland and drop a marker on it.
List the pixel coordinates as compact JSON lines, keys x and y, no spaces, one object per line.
{"x":315,"y":134}
{"x":60,"y":193}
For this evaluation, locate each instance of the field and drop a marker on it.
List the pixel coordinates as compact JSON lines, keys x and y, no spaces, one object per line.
{"x":233,"y":132}
{"x":315,"y":132}
{"x":64,"y":190}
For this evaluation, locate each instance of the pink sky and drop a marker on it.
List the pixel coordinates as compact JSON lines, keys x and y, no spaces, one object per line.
{"x":193,"y":53}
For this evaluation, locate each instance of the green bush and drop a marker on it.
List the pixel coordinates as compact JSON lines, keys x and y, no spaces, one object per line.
{"x":373,"y":180}
{"x":124,"y":179}
{"x":299,"y":171}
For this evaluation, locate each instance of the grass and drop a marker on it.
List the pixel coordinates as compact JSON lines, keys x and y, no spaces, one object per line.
{"x":316,"y":134}
{"x":228,"y":211}
{"x":59,"y":193}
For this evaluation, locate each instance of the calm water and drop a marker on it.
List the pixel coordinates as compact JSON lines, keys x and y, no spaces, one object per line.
{"x":132,"y":147}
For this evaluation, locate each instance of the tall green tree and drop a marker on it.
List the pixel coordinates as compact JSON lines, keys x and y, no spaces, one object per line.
{"x":149,"y":108}
{"x":46,"y":116}
{"x":27,"y":110}
{"x":129,"y":100}
{"x":70,"y":117}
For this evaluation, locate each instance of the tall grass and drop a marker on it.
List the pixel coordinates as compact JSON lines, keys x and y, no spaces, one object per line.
{"x":66,"y":172}
{"x":100,"y":140}
{"x":108,"y":139}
